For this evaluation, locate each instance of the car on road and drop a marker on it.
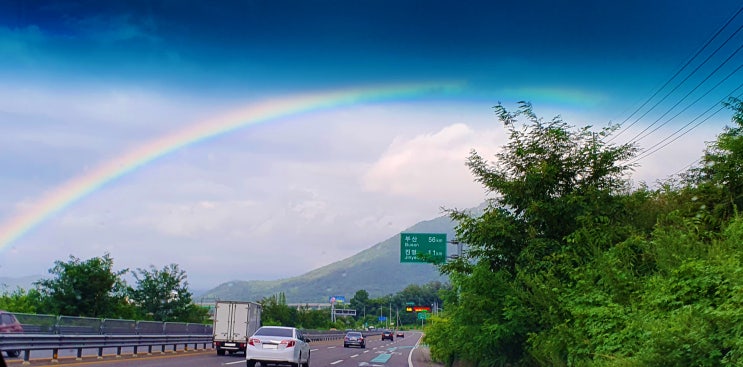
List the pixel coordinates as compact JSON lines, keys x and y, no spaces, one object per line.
{"x":354,"y":338}
{"x":400,"y":334}
{"x":387,"y":334}
{"x":278,"y":345}
{"x":9,"y":324}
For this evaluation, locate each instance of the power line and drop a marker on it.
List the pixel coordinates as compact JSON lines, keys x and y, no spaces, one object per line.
{"x":709,"y":41}
{"x":635,"y":138}
{"x":656,"y":147}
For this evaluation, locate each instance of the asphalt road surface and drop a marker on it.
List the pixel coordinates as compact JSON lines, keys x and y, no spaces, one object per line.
{"x":402,"y":352}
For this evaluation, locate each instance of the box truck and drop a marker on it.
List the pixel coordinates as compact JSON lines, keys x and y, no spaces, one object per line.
{"x":234,"y":323}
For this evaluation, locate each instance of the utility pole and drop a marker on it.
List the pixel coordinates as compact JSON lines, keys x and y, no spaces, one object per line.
{"x":332,"y":311}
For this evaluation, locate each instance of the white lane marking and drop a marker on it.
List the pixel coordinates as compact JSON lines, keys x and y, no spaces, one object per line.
{"x":229,"y":363}
{"x":366,"y":351}
{"x":410,"y":356}
{"x":336,"y":362}
{"x":354,"y":356}
{"x":312,"y":350}
{"x":331,"y":347}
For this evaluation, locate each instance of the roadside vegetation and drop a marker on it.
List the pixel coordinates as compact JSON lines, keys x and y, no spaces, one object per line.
{"x":91,"y":288}
{"x":573,"y":265}
{"x":391,"y":307}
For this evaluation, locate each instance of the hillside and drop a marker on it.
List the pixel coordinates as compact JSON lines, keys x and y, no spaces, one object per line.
{"x":377,"y":270}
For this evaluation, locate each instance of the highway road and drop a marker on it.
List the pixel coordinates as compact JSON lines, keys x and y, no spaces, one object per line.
{"x":378,"y":353}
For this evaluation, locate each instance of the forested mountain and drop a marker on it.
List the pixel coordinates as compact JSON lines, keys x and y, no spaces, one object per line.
{"x":377,"y":270}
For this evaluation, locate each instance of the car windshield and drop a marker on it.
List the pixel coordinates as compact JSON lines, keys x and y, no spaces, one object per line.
{"x":353,"y":335}
{"x":275,"y":331}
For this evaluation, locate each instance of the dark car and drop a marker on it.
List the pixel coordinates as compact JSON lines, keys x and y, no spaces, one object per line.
{"x":354,"y":338}
{"x":388,"y":335}
{"x":9,"y":324}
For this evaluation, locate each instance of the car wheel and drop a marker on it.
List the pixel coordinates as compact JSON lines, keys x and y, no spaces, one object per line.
{"x":307,"y":362}
{"x":345,"y":345}
{"x":250,"y":363}
{"x":220,"y":352}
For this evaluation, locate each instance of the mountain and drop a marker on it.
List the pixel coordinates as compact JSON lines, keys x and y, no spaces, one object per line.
{"x":377,"y":270}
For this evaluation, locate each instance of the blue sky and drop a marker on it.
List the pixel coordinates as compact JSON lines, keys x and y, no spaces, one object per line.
{"x":82,"y":82}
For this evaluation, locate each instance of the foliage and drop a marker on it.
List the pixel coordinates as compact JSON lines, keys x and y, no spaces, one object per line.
{"x":84,"y":288}
{"x":277,"y":312}
{"x":718,"y":180}
{"x":20,"y":300}
{"x":359,"y":301}
{"x":163,"y":295}
{"x":91,"y":288}
{"x":569,"y":267}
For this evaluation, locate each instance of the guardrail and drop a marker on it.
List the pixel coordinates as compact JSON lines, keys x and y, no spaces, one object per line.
{"x":34,"y":342}
{"x":67,"y":325}
{"x":317,"y":335}
{"x":26,"y":343}
{"x":49,"y":332}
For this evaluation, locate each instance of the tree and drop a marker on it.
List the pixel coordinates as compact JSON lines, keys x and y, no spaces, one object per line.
{"x":717,"y":184}
{"x":21,"y":300}
{"x":275,"y":311}
{"x":558,"y":199}
{"x":163,"y":295}
{"x":546,"y":180}
{"x":84,"y":288}
{"x":359,"y":302}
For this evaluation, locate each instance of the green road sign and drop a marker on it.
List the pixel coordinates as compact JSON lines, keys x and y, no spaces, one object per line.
{"x":423,"y":248}
{"x":422,"y":315}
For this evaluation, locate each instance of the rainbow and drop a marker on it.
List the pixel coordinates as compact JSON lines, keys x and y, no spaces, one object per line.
{"x":79,"y":187}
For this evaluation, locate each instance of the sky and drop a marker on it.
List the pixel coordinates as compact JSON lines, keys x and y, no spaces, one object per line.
{"x":258,"y":140}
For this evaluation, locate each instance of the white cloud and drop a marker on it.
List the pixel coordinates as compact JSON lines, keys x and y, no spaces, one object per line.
{"x":432,"y":165}
{"x":307,"y":190}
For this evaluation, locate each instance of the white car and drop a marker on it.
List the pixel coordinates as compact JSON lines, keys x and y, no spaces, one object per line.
{"x":278,"y":344}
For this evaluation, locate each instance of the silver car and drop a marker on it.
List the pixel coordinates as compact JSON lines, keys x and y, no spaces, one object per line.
{"x":278,"y":344}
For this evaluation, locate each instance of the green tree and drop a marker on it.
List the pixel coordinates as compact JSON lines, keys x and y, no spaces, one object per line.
{"x":359,"y":301}
{"x":559,"y":198}
{"x":275,"y":311}
{"x":308,"y":318}
{"x":21,"y":301}
{"x":717,"y":183}
{"x":163,"y":295}
{"x":84,"y":288}
{"x":546,"y":182}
